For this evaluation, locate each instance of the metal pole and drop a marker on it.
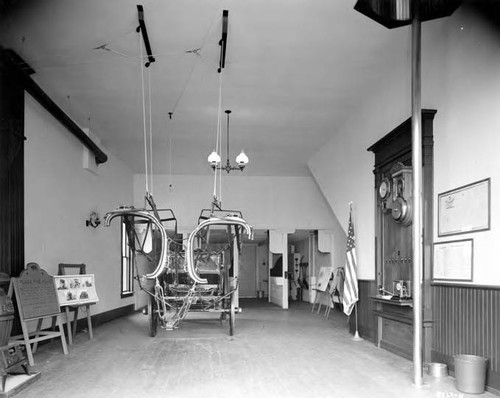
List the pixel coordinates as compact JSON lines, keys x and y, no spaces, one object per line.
{"x":227,"y":142}
{"x":417,"y":235}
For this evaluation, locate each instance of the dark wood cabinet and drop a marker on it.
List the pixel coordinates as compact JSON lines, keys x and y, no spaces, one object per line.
{"x":393,"y":236}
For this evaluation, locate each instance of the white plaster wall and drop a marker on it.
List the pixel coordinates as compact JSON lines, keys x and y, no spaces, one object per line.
{"x":344,"y":170}
{"x":276,"y":203}
{"x":461,"y":79}
{"x":59,"y":196}
{"x":465,"y":89}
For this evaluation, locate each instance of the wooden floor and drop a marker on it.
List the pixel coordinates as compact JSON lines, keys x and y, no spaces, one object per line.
{"x":274,"y":353}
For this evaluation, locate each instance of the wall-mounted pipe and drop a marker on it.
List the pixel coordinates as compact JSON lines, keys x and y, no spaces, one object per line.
{"x":24,"y":71}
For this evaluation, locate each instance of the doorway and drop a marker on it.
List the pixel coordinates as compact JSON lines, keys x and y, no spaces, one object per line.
{"x":247,"y":274}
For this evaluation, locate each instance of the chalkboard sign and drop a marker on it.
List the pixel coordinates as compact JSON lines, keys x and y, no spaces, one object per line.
{"x":35,"y":292}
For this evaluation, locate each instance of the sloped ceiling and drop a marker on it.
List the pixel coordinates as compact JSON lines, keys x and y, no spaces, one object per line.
{"x":296,"y":70}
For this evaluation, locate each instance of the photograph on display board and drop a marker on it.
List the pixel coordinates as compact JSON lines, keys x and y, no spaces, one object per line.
{"x":75,"y":289}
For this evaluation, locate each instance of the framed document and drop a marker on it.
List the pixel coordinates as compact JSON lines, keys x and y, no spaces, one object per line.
{"x":453,"y":260}
{"x":464,"y":209}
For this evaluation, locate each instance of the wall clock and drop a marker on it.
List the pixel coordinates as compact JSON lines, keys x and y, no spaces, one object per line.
{"x":384,"y":188}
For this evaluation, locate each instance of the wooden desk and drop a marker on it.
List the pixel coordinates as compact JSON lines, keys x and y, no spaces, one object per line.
{"x":394,"y":325}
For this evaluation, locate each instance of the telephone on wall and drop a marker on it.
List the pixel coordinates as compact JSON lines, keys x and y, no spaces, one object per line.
{"x":402,"y":193}
{"x":396,"y":191}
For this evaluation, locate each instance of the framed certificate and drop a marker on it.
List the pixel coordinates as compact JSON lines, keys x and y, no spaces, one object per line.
{"x":453,"y":260}
{"x":465,"y":209}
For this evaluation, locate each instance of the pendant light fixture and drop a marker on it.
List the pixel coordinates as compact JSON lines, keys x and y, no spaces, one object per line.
{"x":215,"y":160}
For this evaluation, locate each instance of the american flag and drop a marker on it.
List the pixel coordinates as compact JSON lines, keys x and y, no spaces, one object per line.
{"x":351,"y":278}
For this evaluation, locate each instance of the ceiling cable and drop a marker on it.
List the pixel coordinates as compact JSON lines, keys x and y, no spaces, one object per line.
{"x":197,"y":53}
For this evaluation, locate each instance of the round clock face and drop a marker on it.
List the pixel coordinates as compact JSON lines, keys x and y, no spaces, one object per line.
{"x":384,"y":188}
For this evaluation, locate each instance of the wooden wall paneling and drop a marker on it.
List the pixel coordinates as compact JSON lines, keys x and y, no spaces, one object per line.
{"x":367,"y":327}
{"x":397,"y":337}
{"x":393,"y":240}
{"x":467,"y":321}
{"x":11,"y":171}
{"x":11,"y":175}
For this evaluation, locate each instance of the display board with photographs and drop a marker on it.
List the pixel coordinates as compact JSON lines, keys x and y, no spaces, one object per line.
{"x":75,"y":289}
{"x":325,"y":273}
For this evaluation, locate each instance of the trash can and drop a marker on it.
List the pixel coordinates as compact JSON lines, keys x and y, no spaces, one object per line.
{"x":470,"y":373}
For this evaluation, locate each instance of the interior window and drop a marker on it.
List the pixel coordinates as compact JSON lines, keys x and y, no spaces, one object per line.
{"x":127,"y":260}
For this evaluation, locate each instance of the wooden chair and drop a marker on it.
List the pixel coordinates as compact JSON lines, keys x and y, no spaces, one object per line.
{"x":75,"y":269}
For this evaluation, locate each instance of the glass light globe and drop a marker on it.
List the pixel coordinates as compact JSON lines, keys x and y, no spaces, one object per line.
{"x":214,"y":158}
{"x":242,"y":159}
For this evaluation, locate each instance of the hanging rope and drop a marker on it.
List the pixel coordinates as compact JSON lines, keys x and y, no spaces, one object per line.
{"x":148,"y":158}
{"x":218,"y":138}
{"x":150,"y":132}
{"x":144,"y":117}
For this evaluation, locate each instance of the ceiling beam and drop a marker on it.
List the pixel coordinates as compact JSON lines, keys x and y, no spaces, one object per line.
{"x":142,"y":28}
{"x":223,"y":40}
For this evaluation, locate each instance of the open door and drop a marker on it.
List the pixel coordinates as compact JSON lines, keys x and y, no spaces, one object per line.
{"x":247,"y":274}
{"x":278,"y":263}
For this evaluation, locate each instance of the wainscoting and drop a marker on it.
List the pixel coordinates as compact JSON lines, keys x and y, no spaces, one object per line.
{"x":467,"y":321}
{"x":366,"y":319}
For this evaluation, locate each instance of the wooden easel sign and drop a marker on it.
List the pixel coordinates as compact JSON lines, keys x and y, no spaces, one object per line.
{"x":36,"y":294}
{"x":36,"y":300}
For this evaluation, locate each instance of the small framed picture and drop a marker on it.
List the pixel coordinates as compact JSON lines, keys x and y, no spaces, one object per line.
{"x":75,"y":289}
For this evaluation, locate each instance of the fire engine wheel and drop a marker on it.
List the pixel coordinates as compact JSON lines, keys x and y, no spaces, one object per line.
{"x":232,"y":314}
{"x":152,"y":316}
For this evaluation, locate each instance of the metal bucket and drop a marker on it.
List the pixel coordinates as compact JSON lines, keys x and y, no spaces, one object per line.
{"x":470,"y":373}
{"x":436,"y":369}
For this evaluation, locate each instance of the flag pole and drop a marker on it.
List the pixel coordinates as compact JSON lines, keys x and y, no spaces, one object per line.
{"x":356,"y":337}
{"x":351,"y":291}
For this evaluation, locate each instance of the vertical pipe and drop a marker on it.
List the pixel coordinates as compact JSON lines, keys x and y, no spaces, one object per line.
{"x":417,"y":233}
{"x":285,"y":270}
{"x":227,"y":140}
